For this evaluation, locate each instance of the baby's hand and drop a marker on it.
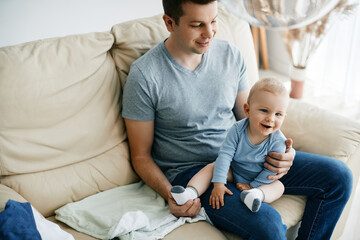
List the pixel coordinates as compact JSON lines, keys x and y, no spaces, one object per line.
{"x":217,"y":195}
{"x":243,"y":186}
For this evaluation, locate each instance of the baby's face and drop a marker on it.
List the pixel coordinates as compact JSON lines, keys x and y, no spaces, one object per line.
{"x":267,"y":112}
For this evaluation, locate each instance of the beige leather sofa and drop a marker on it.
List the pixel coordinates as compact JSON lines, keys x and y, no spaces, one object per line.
{"x":62,"y":137}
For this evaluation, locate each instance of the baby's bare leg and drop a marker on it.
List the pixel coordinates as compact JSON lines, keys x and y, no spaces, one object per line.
{"x":272,"y":191}
{"x":202,"y":180}
{"x":197,"y":185}
{"x":230,"y":176}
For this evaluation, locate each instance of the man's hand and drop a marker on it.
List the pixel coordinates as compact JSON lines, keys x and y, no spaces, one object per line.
{"x":280,"y":163}
{"x":217,"y":195}
{"x":190,"y":209}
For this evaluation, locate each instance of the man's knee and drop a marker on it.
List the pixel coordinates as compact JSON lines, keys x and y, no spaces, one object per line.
{"x":345,"y":181}
{"x":269,"y":228}
{"x":340,"y":180}
{"x":265,"y":224}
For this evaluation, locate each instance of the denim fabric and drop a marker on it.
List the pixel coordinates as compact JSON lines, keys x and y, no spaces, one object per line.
{"x":326,"y":181}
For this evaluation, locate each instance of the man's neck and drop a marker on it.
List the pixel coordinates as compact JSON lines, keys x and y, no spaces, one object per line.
{"x":188,"y":60}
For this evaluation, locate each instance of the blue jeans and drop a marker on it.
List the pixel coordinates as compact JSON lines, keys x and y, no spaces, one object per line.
{"x":326,"y":182}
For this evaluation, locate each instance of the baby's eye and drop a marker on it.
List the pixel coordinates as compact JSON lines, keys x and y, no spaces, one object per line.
{"x":263,"y":110}
{"x":278,"y":114}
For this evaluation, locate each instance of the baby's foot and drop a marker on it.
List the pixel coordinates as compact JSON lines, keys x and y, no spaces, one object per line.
{"x":252,"y":198}
{"x":182,"y":195}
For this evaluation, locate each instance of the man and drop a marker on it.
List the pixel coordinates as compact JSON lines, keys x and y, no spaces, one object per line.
{"x":179,"y":101}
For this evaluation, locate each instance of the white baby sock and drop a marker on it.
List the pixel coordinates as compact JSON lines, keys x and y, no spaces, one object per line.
{"x":252,"y":198}
{"x":182,"y":195}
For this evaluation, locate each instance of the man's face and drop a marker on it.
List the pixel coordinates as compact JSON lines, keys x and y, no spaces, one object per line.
{"x":196,"y":28}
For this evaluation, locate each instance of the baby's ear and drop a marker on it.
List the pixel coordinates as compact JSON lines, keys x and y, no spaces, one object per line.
{"x":246,"y":109}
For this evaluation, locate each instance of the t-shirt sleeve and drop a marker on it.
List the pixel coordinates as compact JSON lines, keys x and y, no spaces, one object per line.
{"x":243,"y":76}
{"x":136,"y":102}
{"x":244,"y":81}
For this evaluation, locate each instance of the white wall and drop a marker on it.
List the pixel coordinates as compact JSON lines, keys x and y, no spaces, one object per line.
{"x":279,"y":59}
{"x":29,"y":20}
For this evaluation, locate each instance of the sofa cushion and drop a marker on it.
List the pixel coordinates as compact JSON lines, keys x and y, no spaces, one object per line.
{"x":77,"y":235}
{"x":59,"y":102}
{"x":6,"y":193}
{"x":318,"y":121}
{"x":198,"y":230}
{"x":61,"y":135}
{"x":51,"y":189}
{"x":133,"y":39}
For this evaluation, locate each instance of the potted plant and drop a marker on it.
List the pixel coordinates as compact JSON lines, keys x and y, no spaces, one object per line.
{"x":302,"y":42}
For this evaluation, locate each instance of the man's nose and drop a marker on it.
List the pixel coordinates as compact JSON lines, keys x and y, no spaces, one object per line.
{"x":208,"y":32}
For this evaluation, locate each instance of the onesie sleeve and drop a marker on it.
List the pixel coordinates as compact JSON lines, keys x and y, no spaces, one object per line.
{"x":226,"y":155}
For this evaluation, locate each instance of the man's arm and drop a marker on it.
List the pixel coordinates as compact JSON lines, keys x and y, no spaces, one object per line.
{"x":279,"y":163}
{"x":240,"y":100}
{"x":141,"y":136}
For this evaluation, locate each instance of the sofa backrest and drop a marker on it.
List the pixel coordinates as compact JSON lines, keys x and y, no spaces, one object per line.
{"x":61,"y":136}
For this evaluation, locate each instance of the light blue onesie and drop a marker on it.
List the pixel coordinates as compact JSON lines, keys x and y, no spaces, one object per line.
{"x":192,"y":110}
{"x":246,"y":159}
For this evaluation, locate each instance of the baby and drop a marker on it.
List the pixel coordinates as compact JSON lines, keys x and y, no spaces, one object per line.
{"x":244,"y":150}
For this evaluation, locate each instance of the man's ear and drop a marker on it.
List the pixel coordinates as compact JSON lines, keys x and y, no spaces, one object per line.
{"x":246,"y":109}
{"x":169,"y":22}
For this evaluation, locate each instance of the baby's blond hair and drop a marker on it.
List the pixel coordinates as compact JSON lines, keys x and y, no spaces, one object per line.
{"x":272,"y":85}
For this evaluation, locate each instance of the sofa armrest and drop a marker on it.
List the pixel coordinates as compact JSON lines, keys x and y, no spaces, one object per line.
{"x":319,"y":131}
{"x":7,"y":193}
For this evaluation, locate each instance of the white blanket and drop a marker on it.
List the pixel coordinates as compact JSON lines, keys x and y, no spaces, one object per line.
{"x":49,"y":230}
{"x":129,"y":212}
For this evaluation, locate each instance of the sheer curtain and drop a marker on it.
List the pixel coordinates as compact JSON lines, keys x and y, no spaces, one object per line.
{"x":352,"y":231}
{"x":335,"y":71}
{"x":334,"y":68}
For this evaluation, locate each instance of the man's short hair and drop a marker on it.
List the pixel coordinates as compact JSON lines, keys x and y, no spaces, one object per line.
{"x":173,"y":8}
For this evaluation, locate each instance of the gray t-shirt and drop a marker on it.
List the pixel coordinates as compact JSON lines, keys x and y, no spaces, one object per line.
{"x":192,"y":110}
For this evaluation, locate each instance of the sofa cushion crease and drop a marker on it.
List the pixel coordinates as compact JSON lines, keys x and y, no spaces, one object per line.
{"x":103,"y":172}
